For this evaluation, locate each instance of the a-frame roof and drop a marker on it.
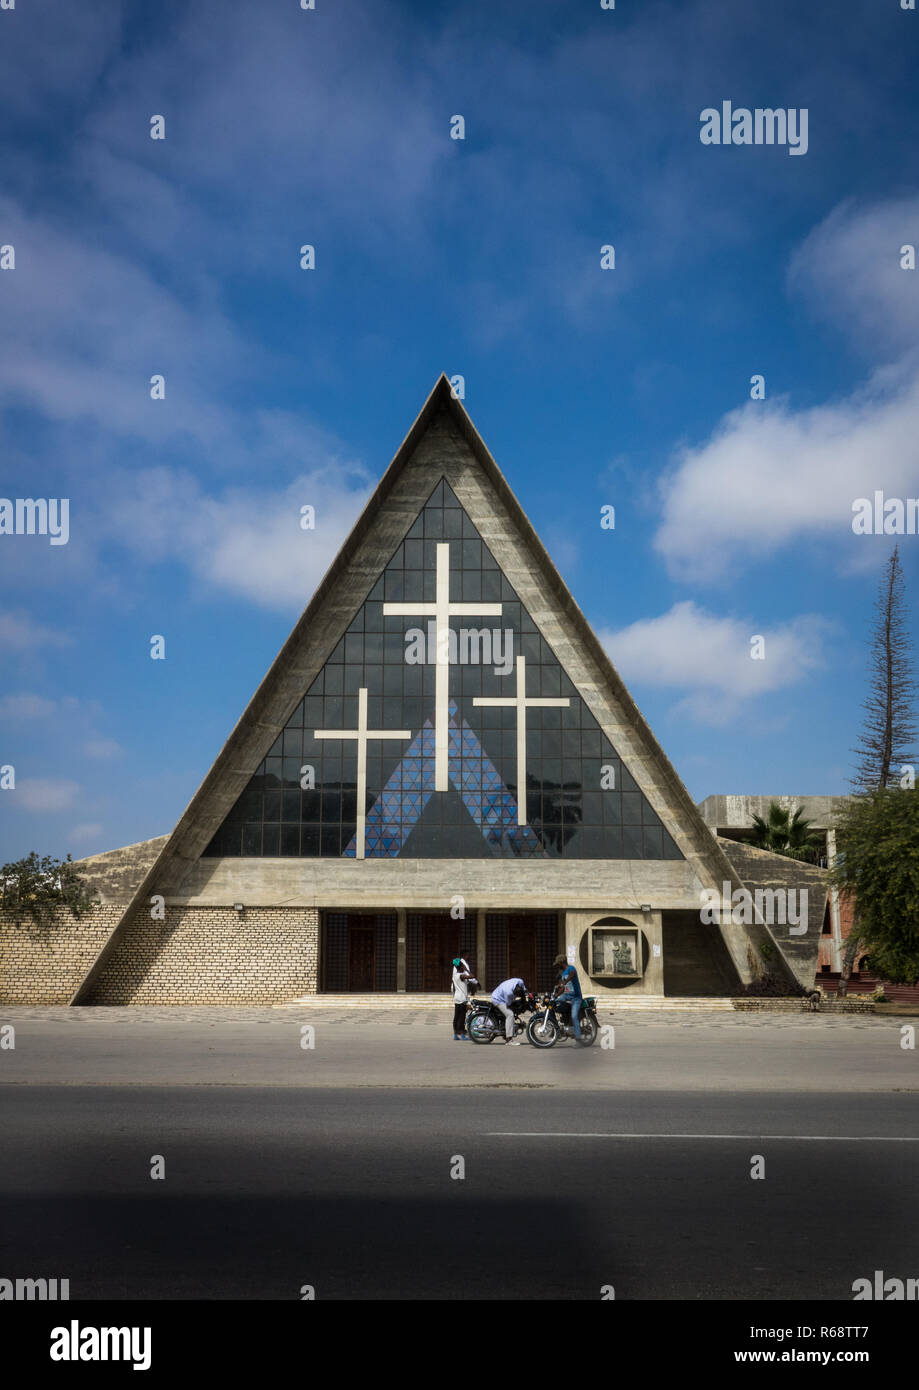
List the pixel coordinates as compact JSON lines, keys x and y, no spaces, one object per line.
{"x":380,"y":527}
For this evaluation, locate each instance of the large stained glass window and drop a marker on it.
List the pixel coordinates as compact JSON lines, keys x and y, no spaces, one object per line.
{"x":442,"y":726}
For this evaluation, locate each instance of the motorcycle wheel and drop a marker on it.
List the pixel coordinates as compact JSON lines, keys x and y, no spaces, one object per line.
{"x":478,"y":1029}
{"x":542,"y":1030}
{"x":589,"y":1030}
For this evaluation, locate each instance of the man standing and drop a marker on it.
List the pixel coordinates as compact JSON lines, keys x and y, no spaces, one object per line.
{"x":503,"y":997}
{"x":460,"y":989}
{"x":569,"y":991}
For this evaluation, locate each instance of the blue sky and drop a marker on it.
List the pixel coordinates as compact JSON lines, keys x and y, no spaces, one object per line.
{"x":479,"y":257}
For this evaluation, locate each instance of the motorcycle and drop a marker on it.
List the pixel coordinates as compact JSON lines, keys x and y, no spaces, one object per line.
{"x":485,"y":1021}
{"x":553,"y":1021}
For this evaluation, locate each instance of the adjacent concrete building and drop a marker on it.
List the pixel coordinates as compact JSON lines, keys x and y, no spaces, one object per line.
{"x":441,"y":760}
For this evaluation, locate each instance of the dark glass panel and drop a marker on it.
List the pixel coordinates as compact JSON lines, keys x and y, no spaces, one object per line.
{"x":290,"y":839}
{"x":571,"y":744}
{"x":333,"y":715}
{"x":591,"y":743}
{"x":414,"y":555}
{"x":330,"y":840}
{"x":491,"y":589}
{"x":413,"y":591}
{"x":654,"y":848}
{"x":669,"y":846}
{"x":632,"y":842}
{"x":612,"y":842}
{"x":470,"y":590}
{"x":394,"y":645}
{"x":394,"y":581}
{"x":354,"y":679}
{"x":271,"y":841}
{"x":627,"y":780}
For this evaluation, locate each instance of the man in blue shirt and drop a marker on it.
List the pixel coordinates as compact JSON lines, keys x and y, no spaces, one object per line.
{"x":568,"y":991}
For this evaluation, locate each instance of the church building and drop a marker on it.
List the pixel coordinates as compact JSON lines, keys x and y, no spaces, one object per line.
{"x":442,"y":760}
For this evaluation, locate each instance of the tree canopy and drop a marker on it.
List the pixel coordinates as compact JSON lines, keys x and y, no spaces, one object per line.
{"x":34,"y":889}
{"x":784,"y":833}
{"x":878,"y":863}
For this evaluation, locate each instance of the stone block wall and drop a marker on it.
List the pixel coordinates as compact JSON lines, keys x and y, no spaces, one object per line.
{"x":45,"y":965}
{"x":212,"y":955}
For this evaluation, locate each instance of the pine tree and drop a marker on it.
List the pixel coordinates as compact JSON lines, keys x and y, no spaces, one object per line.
{"x":888,"y":727}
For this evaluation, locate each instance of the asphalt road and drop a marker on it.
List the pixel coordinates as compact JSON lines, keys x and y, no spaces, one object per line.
{"x":388,"y":1048}
{"x":348,"y":1189}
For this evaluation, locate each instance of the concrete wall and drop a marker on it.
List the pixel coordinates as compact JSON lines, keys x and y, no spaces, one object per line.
{"x":736,"y":812}
{"x":212,"y":956}
{"x":536,"y":885}
{"x":577,"y":925}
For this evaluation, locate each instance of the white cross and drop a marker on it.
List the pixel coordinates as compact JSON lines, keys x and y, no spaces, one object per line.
{"x":521,"y":704}
{"x":362,"y":734}
{"x":442,"y":610}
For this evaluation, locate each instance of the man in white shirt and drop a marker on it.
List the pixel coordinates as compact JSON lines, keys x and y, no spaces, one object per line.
{"x":460,"y":988}
{"x":503,"y":997}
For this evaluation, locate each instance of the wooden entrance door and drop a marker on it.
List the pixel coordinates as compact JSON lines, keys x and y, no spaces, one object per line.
{"x":361,"y":959}
{"x":521,"y":950}
{"x":440,"y":942}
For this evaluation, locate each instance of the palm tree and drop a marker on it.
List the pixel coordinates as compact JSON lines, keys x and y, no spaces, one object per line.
{"x":784,"y":833}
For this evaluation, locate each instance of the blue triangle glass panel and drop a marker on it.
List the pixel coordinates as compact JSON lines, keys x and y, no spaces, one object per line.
{"x":581,"y":802}
{"x":394,"y":814}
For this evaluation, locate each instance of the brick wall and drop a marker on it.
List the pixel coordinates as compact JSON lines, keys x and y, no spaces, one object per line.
{"x":198,"y":955}
{"x":45,"y":965}
{"x":212,"y":955}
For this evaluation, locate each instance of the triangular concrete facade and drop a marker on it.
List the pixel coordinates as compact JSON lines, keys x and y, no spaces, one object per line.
{"x":443,"y":443}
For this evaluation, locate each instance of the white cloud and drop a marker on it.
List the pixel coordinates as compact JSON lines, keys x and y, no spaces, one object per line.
{"x":102,"y":748}
{"x":848,"y":270}
{"x":45,"y":794}
{"x":691,"y":650}
{"x":16,"y":707}
{"x":771,"y":475}
{"x":18,"y":632}
{"x":243,"y":541}
{"x":88,"y":830}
